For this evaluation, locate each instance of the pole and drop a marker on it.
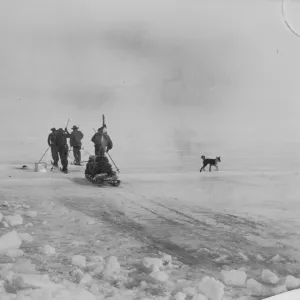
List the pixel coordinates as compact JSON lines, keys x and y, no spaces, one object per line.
{"x":113,"y":162}
{"x":68,"y":123}
{"x":43,"y":155}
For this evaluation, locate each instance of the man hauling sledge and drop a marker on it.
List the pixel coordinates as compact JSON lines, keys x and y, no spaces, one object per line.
{"x":75,"y":142}
{"x":102,"y":141}
{"x":63,"y":148}
{"x":53,"y":146}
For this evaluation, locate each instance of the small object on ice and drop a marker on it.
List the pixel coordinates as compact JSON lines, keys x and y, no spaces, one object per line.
{"x":180,"y":296}
{"x":111,"y":267}
{"x":211,"y":288}
{"x":14,"y":253}
{"x":24,"y":167}
{"x":40,"y":167}
{"x":234,"y":277}
{"x":79,"y":261}
{"x":269,"y":277}
{"x":26,"y":237}
{"x":48,"y":250}
{"x":30,"y":213}
{"x":14,"y":220}
{"x":10,"y":240}
{"x":292,"y":282}
{"x":160,"y":276}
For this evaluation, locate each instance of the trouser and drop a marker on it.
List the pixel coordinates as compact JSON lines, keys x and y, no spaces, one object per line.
{"x":63,"y":153}
{"x":77,"y":154}
{"x":54,"y":152}
{"x":99,"y":150}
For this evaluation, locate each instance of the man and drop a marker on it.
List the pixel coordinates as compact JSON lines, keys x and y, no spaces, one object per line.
{"x":102,"y":141}
{"x":90,"y":165}
{"x":63,"y":148}
{"x":52,"y":145}
{"x":75,"y":142}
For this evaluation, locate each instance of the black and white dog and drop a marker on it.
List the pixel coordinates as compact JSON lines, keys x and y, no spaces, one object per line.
{"x":211,"y":162}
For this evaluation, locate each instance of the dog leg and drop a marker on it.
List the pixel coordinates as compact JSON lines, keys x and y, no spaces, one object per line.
{"x":217,"y":168}
{"x":203,"y":167}
{"x":209,"y":168}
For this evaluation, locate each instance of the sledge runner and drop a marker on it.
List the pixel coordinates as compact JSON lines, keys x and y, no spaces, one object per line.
{"x":52,"y":145}
{"x":75,"y":142}
{"x":63,"y":148}
{"x":102,"y":141}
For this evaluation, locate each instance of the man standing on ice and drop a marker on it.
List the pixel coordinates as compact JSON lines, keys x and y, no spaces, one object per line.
{"x":52,"y":145}
{"x":75,"y":142}
{"x":63,"y":148}
{"x":102,"y":141}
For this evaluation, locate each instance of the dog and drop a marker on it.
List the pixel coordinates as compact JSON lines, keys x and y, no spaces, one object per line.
{"x":211,"y":162}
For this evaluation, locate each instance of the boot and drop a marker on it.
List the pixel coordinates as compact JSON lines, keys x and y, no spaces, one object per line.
{"x":65,"y":170}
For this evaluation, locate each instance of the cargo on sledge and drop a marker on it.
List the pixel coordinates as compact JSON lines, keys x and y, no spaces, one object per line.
{"x":99,"y":171}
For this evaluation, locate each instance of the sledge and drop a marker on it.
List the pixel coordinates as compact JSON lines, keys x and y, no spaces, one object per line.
{"x":102,"y":179}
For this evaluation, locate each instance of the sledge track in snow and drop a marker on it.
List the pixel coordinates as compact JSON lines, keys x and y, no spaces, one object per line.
{"x":108,"y":213}
{"x":177,"y":230}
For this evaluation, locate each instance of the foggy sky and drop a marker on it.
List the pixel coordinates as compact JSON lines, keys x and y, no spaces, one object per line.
{"x":224,"y":68}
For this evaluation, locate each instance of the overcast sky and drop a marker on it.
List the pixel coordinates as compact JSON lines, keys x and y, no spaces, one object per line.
{"x":222,"y":68}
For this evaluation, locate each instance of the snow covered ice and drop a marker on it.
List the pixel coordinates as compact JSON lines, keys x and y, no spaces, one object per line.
{"x":175,"y":81}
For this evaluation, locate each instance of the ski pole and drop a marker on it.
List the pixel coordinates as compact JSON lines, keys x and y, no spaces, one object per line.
{"x":113,"y":162}
{"x":68,"y":123}
{"x":43,"y":155}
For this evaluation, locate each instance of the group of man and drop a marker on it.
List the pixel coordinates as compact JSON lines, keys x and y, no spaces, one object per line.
{"x":57,"y":141}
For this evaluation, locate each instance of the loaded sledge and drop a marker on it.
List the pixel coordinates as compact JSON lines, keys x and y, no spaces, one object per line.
{"x":99,"y":171}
